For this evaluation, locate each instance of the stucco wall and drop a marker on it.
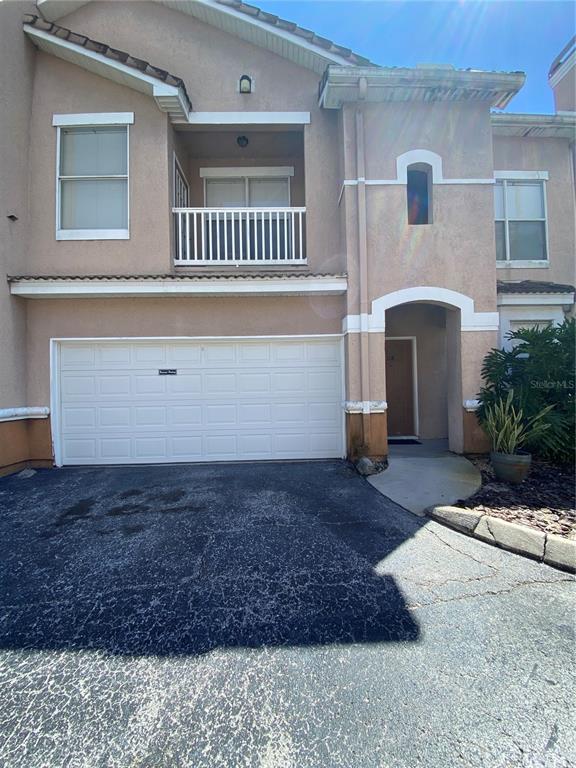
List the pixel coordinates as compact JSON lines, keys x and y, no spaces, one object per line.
{"x":63,"y":88}
{"x":166,"y":38}
{"x":552,"y":155}
{"x":246,"y":316}
{"x":457,"y":250}
{"x":17,"y":69}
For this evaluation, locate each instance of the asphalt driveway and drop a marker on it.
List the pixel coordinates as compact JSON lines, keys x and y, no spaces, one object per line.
{"x":268,"y":615}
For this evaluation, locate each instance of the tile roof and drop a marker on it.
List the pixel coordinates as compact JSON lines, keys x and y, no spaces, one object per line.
{"x":180,"y":276}
{"x":289,"y":26}
{"x":532,"y":286}
{"x":115,"y":55}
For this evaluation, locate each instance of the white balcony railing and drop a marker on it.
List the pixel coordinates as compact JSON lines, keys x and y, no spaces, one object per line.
{"x":239,"y":236}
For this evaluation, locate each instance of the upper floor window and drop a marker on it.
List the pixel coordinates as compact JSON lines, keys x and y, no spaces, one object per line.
{"x":419,"y":193}
{"x":520,"y":214}
{"x":247,"y":187}
{"x":92,"y":197}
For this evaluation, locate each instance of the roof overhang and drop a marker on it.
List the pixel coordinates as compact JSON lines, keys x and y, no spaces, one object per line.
{"x":385,"y":84}
{"x":108,"y":287}
{"x":169,"y":98}
{"x":284,"y":38}
{"x":563,"y":63}
{"x":545,"y":126}
{"x":535,"y":299}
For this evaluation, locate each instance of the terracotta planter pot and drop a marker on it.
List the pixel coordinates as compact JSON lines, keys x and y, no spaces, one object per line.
{"x":511,"y":467}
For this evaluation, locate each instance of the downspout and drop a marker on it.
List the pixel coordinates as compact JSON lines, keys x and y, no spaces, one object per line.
{"x":363,"y":264}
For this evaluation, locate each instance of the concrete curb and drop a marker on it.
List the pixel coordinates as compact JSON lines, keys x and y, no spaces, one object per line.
{"x":549,"y":548}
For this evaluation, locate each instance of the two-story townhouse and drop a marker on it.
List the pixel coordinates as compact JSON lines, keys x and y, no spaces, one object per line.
{"x":228,"y":238}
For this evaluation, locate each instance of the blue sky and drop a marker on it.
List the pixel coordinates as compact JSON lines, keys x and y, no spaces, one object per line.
{"x":494,"y":34}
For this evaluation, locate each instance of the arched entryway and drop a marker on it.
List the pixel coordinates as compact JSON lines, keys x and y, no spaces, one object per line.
{"x":417,"y":371}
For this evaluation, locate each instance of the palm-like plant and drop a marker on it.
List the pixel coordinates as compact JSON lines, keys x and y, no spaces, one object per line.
{"x":508,"y":428}
{"x":540,"y":370}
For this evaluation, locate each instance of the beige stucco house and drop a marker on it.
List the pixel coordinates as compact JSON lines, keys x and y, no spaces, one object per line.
{"x":224,"y":237}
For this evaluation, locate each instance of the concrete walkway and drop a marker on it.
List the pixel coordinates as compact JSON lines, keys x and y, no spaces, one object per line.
{"x":419,"y":476}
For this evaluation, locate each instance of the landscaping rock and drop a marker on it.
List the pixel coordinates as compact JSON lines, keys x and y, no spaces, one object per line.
{"x":26,"y":473}
{"x":560,"y":552}
{"x":464,"y":520}
{"x":366,"y":466}
{"x":512,"y":536}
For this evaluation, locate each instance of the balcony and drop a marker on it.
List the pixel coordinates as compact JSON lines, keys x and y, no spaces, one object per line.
{"x":239,"y":236}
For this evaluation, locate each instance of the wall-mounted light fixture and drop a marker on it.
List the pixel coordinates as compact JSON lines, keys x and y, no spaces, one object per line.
{"x":245,"y":84}
{"x":242,"y":141}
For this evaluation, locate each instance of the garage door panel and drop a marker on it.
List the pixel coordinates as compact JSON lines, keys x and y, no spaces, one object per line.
{"x":290,"y":352}
{"x":220,"y":414}
{"x":323,"y":381}
{"x":185,"y":415}
{"x":113,"y":355}
{"x":149,"y":384}
{"x":186,"y":447}
{"x":78,"y":450}
{"x":78,"y":386}
{"x":218,"y":383}
{"x":219,"y":353}
{"x":150,"y":416}
{"x":113,"y":386}
{"x":79,"y":418}
{"x":184,"y":384}
{"x":184,"y":354}
{"x":150,"y":447}
{"x":224,"y":401}
{"x":117,"y":448}
{"x":149,"y":353}
{"x":256,"y":446}
{"x":289,"y":381}
{"x":77,"y":355}
{"x":254,"y":413}
{"x":117,"y":416}
{"x":254,"y":353}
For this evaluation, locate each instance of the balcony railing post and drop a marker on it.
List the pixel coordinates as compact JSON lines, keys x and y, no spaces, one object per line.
{"x":239,"y":236}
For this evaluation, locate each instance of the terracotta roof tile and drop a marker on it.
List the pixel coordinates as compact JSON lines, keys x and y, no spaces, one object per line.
{"x":289,"y":26}
{"x":532,"y":286}
{"x":180,"y":276}
{"x":113,"y":54}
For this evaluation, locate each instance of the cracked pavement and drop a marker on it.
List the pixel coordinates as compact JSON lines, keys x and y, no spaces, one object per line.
{"x":269,"y":616}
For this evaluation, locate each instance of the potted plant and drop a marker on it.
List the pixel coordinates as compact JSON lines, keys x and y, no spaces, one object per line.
{"x":509,"y":430}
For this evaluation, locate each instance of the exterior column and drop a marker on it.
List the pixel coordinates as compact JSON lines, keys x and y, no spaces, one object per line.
{"x":465,"y":354}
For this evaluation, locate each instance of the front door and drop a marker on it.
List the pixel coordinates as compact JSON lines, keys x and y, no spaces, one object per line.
{"x":400,"y":387}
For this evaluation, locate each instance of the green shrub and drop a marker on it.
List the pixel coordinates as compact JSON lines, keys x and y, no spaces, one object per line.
{"x":507,"y":427}
{"x":539,"y":371}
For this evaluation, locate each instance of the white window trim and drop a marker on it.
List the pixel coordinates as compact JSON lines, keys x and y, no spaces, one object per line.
{"x":242,"y":171}
{"x":528,"y":313}
{"x":542,"y":177}
{"x":246,"y":173}
{"x":96,"y":120}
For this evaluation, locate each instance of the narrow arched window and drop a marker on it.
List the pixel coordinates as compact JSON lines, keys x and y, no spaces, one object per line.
{"x":419,"y":193}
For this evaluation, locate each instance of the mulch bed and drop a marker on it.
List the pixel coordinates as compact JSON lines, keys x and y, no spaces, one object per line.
{"x":546,"y":500}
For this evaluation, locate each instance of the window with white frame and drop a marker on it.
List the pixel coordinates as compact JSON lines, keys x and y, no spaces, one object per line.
{"x":247,"y":187}
{"x":92,"y":195}
{"x":520,"y":216}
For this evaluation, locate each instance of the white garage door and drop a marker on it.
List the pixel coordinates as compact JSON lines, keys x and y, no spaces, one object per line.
{"x":178,"y":401}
